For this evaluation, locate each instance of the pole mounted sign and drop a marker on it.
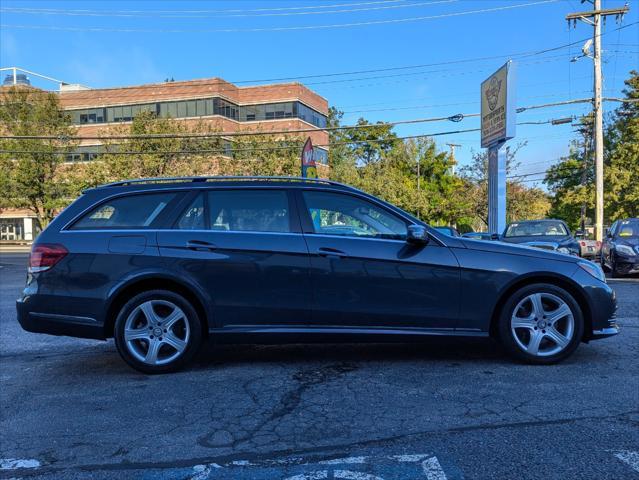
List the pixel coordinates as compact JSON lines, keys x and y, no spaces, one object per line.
{"x":309,"y":168}
{"x":498,"y":106}
{"x":497,"y":126}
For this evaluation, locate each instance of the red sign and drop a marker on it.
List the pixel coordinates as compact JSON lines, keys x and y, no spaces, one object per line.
{"x":308,"y":162}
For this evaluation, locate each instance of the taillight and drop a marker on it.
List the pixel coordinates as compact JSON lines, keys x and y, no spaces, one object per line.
{"x":45,"y":255}
{"x":598,"y":244}
{"x":583,"y":244}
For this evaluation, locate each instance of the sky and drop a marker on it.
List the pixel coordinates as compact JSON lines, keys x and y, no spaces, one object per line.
{"x":456,"y":43}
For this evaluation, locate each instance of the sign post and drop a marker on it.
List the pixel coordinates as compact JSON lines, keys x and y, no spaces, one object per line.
{"x":309,"y":169}
{"x":497,"y":126}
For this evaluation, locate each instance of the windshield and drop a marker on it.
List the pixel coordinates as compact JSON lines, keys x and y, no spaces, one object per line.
{"x":532,"y":229}
{"x":629,"y":228}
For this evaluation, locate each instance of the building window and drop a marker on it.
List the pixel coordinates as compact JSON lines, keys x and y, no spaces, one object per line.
{"x":199,"y":108}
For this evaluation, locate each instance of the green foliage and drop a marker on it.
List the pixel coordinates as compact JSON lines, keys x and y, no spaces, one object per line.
{"x":156,"y":157}
{"x":571,"y":181}
{"x":33,"y":178}
{"x":522,"y":202}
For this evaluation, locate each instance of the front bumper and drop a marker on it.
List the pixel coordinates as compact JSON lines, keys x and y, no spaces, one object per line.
{"x":605,"y":332}
{"x":626,"y":265}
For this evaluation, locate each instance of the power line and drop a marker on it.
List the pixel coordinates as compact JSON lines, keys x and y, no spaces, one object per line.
{"x":295,"y":146}
{"x":279,"y":29}
{"x":269,"y":9}
{"x":524,"y":54}
{"x":265,"y":13}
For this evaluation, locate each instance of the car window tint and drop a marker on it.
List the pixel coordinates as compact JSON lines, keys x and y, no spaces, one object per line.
{"x":338,"y":214}
{"x":249,"y":210}
{"x":132,"y":211}
{"x":193,"y":217}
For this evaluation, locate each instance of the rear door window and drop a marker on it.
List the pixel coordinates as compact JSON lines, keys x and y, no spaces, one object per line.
{"x":249,"y":211}
{"x":238,"y":211}
{"x":130,"y":212}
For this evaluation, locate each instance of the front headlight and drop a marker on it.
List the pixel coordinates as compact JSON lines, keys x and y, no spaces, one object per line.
{"x":593,"y":269}
{"x":565,"y":250}
{"x":625,"y":250}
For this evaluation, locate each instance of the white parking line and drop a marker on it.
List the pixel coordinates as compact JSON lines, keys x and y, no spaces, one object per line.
{"x":16,"y":463}
{"x":202,"y":472}
{"x":433,"y":470}
{"x":629,"y":458}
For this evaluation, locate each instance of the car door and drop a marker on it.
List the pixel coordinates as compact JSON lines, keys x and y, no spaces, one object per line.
{"x":244,"y":248}
{"x":364,"y":272}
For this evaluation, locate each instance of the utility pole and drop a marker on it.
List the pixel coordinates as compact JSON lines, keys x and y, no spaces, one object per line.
{"x":594,"y":18}
{"x":452,"y":154}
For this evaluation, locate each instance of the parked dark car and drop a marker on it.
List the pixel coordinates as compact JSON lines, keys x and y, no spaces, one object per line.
{"x":545,"y":234}
{"x":446,"y":230}
{"x":478,"y":235}
{"x":620,"y":248}
{"x":162,"y":264}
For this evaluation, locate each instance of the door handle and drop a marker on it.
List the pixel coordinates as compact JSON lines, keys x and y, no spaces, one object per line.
{"x":331,"y":252}
{"x":200,"y":246}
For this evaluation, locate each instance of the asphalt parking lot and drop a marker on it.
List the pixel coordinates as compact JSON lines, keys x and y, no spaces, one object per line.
{"x":447,"y":409}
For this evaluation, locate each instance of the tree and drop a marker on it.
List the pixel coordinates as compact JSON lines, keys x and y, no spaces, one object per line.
{"x":521,"y":202}
{"x":571,"y":181}
{"x":173,"y":153}
{"x":33,"y":176}
{"x":411,"y":173}
{"x":622,"y":170}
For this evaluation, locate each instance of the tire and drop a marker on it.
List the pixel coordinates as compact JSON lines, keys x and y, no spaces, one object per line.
{"x":532,"y":309}
{"x":157,"y":332}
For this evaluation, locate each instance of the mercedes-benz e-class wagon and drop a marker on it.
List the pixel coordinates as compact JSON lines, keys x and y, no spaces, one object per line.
{"x":162,"y":264}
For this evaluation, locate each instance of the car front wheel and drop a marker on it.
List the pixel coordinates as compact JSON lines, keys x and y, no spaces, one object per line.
{"x":157,"y":332}
{"x":541,"y":324}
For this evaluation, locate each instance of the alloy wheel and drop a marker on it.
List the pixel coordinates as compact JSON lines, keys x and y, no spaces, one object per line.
{"x":542,"y":324}
{"x":156,"y":332}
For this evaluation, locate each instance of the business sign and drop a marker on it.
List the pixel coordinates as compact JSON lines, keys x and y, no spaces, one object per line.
{"x":498,"y":106}
{"x":309,"y":169}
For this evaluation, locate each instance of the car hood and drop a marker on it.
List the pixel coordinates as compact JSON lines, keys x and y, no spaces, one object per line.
{"x":540,"y":239}
{"x":517,"y":249}
{"x":630,"y":241}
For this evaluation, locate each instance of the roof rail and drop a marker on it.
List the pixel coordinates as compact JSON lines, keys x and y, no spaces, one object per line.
{"x":224,"y":178}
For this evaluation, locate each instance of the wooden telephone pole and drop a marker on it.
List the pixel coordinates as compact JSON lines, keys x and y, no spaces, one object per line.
{"x":452,"y":154}
{"x":594,"y":18}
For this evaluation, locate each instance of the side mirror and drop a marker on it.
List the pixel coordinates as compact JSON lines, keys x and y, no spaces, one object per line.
{"x":417,"y":234}
{"x":608,"y":234}
{"x":494,"y":236}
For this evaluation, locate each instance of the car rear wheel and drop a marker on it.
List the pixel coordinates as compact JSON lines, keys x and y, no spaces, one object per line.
{"x":541,"y":324}
{"x":157,"y":332}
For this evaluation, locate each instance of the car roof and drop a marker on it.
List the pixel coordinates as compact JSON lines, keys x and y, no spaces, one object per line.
{"x":158,"y":183}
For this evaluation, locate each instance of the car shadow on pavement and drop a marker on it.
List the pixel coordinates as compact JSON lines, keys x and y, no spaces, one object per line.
{"x":428,"y":350}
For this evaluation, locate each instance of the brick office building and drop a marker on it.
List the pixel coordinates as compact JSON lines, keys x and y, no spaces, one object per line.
{"x":222,"y":105}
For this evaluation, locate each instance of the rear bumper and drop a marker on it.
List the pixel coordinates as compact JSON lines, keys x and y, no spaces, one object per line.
{"x":54,"y":324}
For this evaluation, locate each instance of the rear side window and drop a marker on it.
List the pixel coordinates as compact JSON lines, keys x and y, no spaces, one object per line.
{"x":238,"y":211}
{"x":133,"y":211}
